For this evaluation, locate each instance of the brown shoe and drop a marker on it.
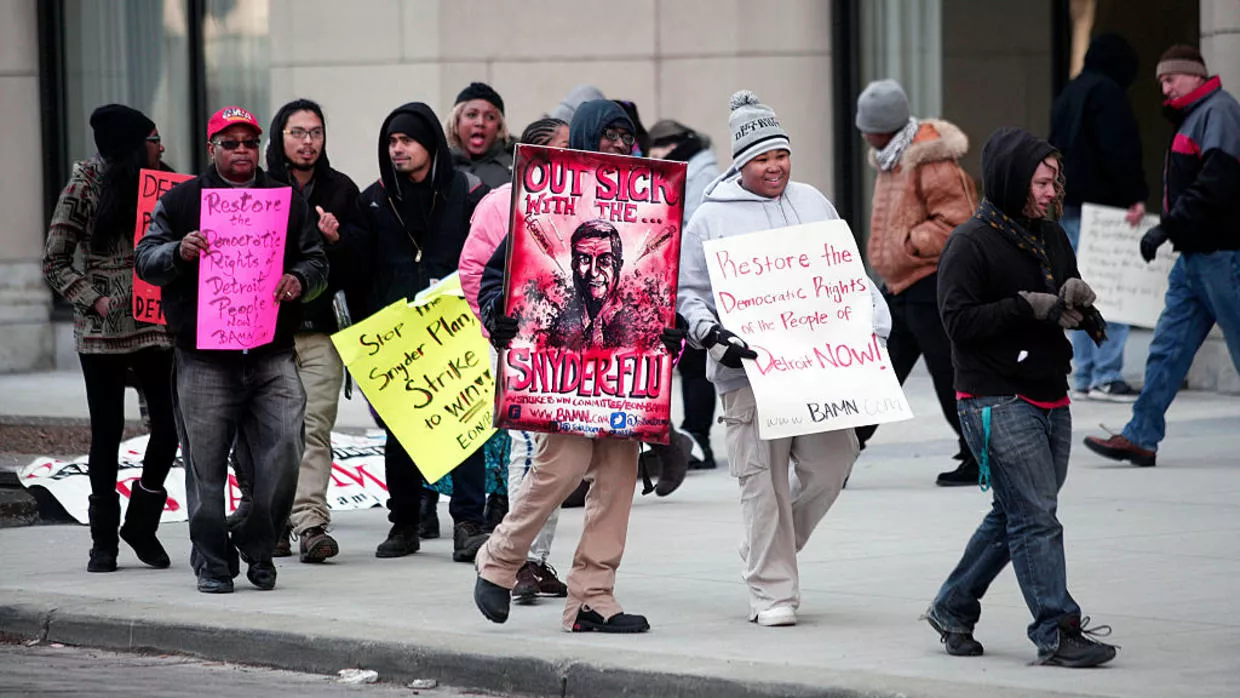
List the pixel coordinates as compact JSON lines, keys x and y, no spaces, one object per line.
{"x":284,"y":543}
{"x":1121,"y":449}
{"x":548,"y":583}
{"x":526,"y":590}
{"x":317,"y":545}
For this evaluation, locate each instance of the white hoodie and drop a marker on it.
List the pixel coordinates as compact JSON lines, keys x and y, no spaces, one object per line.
{"x":729,"y":210}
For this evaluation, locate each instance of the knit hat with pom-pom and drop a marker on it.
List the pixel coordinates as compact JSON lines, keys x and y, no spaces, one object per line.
{"x":755,"y":129}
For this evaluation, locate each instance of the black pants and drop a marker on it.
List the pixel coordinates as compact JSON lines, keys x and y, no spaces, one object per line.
{"x":698,"y":393}
{"x":105,"y":397}
{"x":405,"y":489}
{"x":917,"y":331}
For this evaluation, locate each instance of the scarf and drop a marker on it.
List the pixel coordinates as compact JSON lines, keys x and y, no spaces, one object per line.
{"x":891,"y":153}
{"x":1031,"y":244}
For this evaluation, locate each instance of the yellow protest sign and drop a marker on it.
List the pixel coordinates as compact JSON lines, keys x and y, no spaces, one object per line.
{"x":426,"y":369}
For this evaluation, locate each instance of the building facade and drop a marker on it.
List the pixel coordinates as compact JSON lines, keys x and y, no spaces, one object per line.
{"x":979,"y":63}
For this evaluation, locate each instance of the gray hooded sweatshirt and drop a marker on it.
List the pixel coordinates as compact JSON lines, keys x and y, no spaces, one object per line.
{"x":729,"y":210}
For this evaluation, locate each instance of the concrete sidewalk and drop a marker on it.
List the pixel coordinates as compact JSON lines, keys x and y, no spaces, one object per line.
{"x":1153,"y":552}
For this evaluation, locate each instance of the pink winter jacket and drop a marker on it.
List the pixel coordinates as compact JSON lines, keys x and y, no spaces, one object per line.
{"x":487,"y":230}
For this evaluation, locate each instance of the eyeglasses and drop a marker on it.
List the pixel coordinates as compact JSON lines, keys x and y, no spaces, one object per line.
{"x":624,"y":137}
{"x":154,"y":139}
{"x":300,"y":134}
{"x":230,"y":144}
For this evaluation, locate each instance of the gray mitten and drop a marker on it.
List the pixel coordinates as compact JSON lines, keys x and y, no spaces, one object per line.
{"x":1077,"y":294}
{"x":1051,"y":308}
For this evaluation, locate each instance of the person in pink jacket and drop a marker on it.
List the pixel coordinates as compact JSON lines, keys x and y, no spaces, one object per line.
{"x":488,"y":228}
{"x":489,"y":225}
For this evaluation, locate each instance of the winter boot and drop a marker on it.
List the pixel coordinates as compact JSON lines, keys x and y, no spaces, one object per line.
{"x":105,"y":516}
{"x":141,"y":521}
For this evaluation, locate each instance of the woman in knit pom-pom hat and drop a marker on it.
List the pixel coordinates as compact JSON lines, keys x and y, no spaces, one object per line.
{"x":756,"y":194}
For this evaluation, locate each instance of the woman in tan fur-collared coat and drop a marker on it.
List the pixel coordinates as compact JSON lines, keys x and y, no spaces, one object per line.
{"x":920,"y":195}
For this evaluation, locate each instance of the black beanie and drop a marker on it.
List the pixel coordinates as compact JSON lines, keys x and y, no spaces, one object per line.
{"x":415,"y":127}
{"x":119,"y":129}
{"x":481,"y":90}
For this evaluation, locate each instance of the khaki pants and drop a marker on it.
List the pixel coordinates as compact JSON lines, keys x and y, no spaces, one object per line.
{"x":322,"y":375}
{"x":560,"y":463}
{"x":779,"y":518}
{"x":520,"y":465}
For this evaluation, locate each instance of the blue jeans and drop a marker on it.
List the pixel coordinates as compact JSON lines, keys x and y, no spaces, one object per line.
{"x":258,"y":401}
{"x":1028,"y":464}
{"x":1095,"y":365}
{"x":1202,"y":289}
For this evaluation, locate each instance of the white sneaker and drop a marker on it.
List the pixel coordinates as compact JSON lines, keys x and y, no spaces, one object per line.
{"x":1119,"y":391}
{"x":778,"y":616}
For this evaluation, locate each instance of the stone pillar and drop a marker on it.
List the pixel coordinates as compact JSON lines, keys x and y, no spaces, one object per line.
{"x":25,"y":302}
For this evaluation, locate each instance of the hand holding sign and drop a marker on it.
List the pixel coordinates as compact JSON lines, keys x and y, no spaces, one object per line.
{"x":194,"y":244}
{"x":328,"y":225}
{"x":289,"y":289}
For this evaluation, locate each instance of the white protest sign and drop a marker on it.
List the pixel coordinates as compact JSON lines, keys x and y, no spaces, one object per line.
{"x":1129,"y":290}
{"x":357,"y":480}
{"x":801,"y":299}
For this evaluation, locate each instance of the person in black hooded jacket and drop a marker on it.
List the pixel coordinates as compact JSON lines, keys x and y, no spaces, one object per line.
{"x":1092,"y":124}
{"x":1008,"y":287}
{"x":297,"y":156}
{"x":415,"y":221}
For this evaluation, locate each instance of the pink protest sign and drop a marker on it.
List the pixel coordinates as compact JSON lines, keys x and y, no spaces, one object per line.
{"x":237,"y":277}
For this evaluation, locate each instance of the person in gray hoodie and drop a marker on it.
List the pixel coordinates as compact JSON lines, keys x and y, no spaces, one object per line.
{"x":756,"y":194}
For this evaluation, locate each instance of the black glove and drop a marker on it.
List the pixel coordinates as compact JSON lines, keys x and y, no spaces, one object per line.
{"x":1151,"y":241}
{"x":673,"y":339}
{"x":727,"y":348}
{"x":502,"y":329}
{"x":1094,"y":325}
{"x":1077,"y":293}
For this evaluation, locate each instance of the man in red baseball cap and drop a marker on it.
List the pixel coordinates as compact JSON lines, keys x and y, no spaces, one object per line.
{"x":253,"y":397}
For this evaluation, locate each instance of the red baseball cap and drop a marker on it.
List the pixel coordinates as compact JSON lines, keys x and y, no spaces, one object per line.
{"x":231,"y":116}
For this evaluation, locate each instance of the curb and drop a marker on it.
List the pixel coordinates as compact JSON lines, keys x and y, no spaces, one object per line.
{"x":17,"y":508}
{"x":455,"y":661}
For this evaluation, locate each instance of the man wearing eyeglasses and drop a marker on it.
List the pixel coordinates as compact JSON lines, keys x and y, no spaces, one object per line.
{"x":297,"y":156}
{"x":253,"y":397}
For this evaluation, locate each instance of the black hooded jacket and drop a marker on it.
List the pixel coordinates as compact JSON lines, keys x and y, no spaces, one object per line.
{"x":584,"y":133}
{"x":412,"y":234}
{"x":998,"y":346}
{"x":1092,"y":124}
{"x":336,"y":193}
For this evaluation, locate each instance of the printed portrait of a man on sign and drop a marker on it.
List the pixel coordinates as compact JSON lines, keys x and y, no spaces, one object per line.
{"x":594,"y":250}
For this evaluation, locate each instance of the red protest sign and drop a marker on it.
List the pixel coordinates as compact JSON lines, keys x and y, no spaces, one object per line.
{"x":152,"y":184}
{"x":593,"y":258}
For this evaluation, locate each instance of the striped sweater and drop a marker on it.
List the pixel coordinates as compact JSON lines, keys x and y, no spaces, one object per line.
{"x":86,"y":279}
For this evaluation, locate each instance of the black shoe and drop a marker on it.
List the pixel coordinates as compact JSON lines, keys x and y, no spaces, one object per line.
{"x":957,"y":644}
{"x":589,"y":621}
{"x":262,"y":575}
{"x":578,"y":497}
{"x":526,"y":590}
{"x":1078,"y":651}
{"x":208,"y":585}
{"x":708,"y":456}
{"x":467,"y":538}
{"x":428,"y":517}
{"x":284,"y":543}
{"x":492,"y":599}
{"x":141,"y":522}
{"x":496,"y":510}
{"x":402,"y":540}
{"x":102,"y":560}
{"x":963,"y":476}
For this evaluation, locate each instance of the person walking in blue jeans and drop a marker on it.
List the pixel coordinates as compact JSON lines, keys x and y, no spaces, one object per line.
{"x":1008,"y":287}
{"x":1201,"y":218}
{"x":1092,"y":124}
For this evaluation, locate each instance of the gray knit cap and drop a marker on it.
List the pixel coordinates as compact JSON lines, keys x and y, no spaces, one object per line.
{"x":755,"y":129}
{"x":882,"y":107}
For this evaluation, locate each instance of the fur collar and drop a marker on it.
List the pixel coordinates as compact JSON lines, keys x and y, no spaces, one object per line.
{"x":951,"y":144}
